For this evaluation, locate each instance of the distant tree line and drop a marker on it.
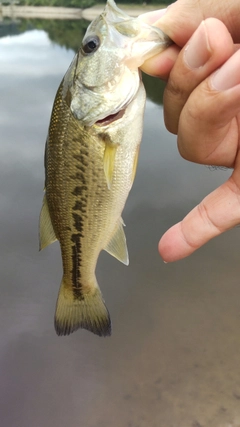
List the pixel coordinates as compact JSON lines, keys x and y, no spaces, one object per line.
{"x":81,"y":4}
{"x":86,"y":3}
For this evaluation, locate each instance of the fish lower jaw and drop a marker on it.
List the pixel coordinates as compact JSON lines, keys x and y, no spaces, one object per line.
{"x":110,"y":118}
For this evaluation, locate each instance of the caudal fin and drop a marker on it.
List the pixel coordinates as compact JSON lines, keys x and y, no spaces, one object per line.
{"x":88,"y":312}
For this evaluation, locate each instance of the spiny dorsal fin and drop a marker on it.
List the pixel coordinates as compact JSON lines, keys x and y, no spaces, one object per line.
{"x":108,"y":162}
{"x":46,"y":232}
{"x":117,"y":246}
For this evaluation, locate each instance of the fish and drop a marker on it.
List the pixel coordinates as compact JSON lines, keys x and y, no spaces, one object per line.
{"x":91,"y":157}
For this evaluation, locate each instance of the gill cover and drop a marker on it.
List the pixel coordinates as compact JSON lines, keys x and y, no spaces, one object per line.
{"x":103,"y":77}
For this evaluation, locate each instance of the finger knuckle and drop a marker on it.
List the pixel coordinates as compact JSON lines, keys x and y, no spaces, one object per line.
{"x":174,"y":90}
{"x":204,"y":215}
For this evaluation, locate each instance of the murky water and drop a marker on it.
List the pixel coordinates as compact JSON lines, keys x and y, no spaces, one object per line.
{"x":174,"y":357}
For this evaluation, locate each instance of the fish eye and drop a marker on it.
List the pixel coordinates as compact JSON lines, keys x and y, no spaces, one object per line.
{"x":91,"y":44}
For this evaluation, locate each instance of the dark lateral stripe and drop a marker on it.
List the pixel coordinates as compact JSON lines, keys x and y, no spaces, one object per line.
{"x":78,"y":191}
{"x":77,"y":256}
{"x":76,"y":261}
{"x":78,"y":223}
{"x":79,"y":176}
{"x":81,"y":158}
{"x":78,"y":216}
{"x":79,"y":206}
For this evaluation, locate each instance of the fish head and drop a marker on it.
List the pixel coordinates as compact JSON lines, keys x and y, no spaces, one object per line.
{"x":104,"y":76}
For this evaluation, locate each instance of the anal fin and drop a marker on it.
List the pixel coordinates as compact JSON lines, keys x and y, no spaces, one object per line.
{"x":117,"y":246}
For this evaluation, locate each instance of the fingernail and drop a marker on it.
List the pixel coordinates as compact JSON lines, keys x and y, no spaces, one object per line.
{"x":198,"y":51}
{"x":228,"y":75}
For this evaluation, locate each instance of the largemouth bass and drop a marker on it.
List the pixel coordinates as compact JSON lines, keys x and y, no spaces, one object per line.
{"x":91,"y":158}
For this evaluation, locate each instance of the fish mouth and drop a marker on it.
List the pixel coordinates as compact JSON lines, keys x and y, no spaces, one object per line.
{"x":118,"y":112}
{"x":110,"y":118}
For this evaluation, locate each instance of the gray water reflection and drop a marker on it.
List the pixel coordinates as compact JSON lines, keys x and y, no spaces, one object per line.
{"x":173,"y":359}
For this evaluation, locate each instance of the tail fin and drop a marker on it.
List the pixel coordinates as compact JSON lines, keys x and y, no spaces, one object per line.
{"x":88,"y":312}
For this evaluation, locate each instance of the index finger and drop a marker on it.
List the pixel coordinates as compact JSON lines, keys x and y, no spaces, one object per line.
{"x":160,"y":65}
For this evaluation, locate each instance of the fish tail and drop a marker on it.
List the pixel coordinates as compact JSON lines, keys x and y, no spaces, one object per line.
{"x":87,"y":311}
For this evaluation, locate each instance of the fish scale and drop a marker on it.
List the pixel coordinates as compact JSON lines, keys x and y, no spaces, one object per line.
{"x":84,"y":231}
{"x":90,"y":161}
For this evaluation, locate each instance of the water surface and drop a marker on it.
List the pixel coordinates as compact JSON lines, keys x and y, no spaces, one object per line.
{"x":174,"y":357}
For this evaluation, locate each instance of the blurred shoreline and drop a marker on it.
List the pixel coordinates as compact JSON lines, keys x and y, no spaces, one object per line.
{"x":43,"y":12}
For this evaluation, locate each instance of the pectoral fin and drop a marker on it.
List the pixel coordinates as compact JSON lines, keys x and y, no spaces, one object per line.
{"x":46,"y":232}
{"x":108,"y":162}
{"x":117,"y":246}
{"x":135,"y":163}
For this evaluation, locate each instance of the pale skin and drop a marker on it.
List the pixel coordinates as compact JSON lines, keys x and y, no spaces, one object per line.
{"x":202,"y":107}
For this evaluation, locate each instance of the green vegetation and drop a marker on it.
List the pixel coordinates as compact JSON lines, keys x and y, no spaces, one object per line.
{"x":66,"y":33}
{"x":139,"y":2}
{"x":86,"y":3}
{"x":82,"y":4}
{"x":154,"y":88}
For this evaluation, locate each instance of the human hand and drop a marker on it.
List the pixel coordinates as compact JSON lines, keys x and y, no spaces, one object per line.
{"x":202,"y":106}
